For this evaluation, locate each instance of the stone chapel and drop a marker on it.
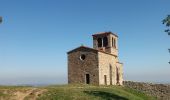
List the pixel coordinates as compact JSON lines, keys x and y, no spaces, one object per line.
{"x":98,"y":65}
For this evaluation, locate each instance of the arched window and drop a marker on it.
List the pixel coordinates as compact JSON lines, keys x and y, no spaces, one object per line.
{"x":115,"y":43}
{"x":105,"y":41}
{"x":99,"y":41}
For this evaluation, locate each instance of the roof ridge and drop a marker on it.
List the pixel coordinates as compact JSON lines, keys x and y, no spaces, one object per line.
{"x":91,"y":49}
{"x":101,"y":33}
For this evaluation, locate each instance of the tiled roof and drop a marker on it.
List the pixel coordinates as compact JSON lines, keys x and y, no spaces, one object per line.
{"x":103,"y":33}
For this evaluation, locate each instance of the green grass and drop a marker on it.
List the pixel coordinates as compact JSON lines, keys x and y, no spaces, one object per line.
{"x":88,"y":92}
{"x":75,"y":92}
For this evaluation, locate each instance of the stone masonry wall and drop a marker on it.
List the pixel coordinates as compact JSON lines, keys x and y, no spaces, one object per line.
{"x":105,"y":61}
{"x":77,"y":69}
{"x":161,"y":91}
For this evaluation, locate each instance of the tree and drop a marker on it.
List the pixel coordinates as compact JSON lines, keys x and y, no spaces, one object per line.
{"x":166,"y":21}
{"x":0,"y":19}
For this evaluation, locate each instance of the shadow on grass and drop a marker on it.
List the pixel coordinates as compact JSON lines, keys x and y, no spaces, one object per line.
{"x":105,"y":95}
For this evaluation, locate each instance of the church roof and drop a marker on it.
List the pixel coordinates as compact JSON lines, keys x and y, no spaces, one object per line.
{"x":92,"y":49}
{"x":104,"y":33}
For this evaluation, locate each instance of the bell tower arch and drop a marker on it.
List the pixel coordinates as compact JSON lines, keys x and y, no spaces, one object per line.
{"x":106,"y":41}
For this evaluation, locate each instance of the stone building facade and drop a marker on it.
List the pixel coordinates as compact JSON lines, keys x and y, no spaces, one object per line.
{"x":98,"y":65}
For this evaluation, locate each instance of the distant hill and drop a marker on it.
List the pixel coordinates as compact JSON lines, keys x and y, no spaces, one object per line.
{"x":71,"y":92}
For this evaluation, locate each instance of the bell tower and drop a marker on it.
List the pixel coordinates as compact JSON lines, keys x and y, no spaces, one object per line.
{"x":106,"y":42}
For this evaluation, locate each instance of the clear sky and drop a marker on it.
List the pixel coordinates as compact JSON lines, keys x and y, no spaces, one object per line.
{"x":36,"y":34}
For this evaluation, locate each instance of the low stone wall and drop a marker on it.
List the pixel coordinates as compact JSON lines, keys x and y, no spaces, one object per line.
{"x":161,"y":91}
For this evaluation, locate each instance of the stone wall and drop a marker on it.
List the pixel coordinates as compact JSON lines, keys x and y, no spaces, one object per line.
{"x":105,"y":62}
{"x":107,"y":66}
{"x":120,"y":72}
{"x":77,"y":68}
{"x":161,"y":91}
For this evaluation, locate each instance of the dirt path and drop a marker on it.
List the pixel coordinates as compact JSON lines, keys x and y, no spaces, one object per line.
{"x":30,"y":94}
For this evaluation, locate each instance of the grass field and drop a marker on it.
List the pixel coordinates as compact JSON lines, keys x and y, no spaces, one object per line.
{"x":71,"y":92}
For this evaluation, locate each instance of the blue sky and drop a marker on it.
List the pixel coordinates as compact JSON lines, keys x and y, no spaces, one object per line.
{"x":36,"y":34}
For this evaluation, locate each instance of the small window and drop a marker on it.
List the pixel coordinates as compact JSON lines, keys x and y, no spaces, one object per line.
{"x":82,"y":57}
{"x":105,"y":79}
